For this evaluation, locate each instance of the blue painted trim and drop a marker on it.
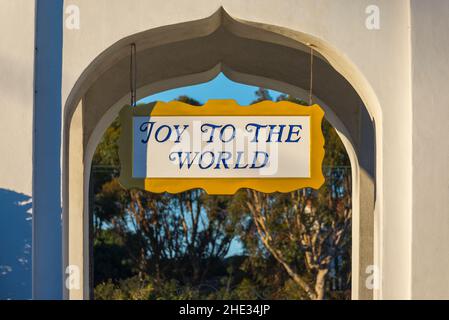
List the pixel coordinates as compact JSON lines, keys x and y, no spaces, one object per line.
{"x":47,"y":118}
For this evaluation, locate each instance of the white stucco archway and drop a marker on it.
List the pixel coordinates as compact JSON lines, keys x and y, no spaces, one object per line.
{"x":399,"y":72}
{"x":101,"y":91}
{"x":54,"y":76}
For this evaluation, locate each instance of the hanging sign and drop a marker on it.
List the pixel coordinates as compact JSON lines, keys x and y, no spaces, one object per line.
{"x":221,"y":147}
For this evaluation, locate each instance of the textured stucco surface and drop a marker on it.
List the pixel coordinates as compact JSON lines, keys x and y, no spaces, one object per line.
{"x":16,"y":119}
{"x":363,"y":56}
{"x":430,"y":54}
{"x":16,"y":94}
{"x":399,"y":71}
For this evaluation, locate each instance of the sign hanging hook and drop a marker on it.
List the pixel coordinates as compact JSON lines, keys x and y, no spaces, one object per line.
{"x":133,"y":75}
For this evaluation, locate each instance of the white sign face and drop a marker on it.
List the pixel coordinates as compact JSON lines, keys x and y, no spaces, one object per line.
{"x":221,"y":147}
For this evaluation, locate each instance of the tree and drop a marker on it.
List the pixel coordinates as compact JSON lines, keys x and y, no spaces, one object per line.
{"x":307,"y":231}
{"x":162,"y":246}
{"x":262,"y":94}
{"x":168,"y":236}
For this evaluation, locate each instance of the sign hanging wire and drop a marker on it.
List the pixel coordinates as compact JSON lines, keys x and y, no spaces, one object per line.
{"x":311,"y":77}
{"x":133,"y":75}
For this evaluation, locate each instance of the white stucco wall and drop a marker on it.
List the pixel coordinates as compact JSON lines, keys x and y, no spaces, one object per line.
{"x":377,"y":62}
{"x":430,"y":43}
{"x":403,"y":66}
{"x":16,"y":120}
{"x":16,"y":94}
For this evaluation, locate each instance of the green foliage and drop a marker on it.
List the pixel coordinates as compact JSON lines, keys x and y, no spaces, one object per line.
{"x":262,"y":94}
{"x":111,"y":257}
{"x":189,"y":100}
{"x":162,"y":246}
{"x":107,"y":150}
{"x":132,"y":288}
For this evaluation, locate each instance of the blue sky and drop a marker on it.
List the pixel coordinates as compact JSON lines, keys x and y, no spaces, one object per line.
{"x":218,"y":88}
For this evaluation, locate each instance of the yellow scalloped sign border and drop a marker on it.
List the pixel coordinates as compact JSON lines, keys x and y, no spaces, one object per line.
{"x":222,"y":186}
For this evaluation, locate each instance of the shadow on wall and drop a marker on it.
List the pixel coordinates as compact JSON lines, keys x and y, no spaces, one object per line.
{"x":15,"y":245}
